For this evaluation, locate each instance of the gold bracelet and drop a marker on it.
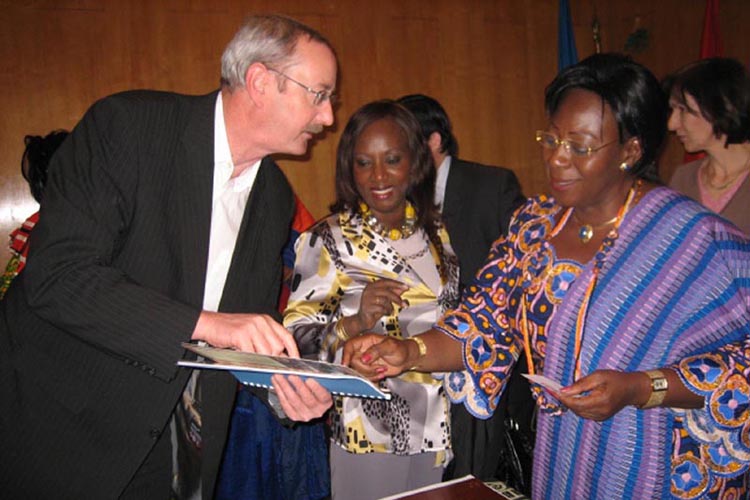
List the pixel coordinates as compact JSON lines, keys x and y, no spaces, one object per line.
{"x":422,"y":348}
{"x":341,"y":331}
{"x":659,"y":386}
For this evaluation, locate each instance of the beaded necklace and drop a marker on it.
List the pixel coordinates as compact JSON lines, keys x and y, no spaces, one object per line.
{"x":407,"y":227}
{"x":600,"y":257}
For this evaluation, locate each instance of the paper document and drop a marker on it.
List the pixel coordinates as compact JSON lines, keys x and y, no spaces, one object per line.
{"x":545,"y":382}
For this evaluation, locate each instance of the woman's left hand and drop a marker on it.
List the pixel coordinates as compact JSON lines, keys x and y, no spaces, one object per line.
{"x":600,"y":395}
{"x":376,"y":356}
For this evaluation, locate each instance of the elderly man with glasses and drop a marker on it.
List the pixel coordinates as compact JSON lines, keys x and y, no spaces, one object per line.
{"x":163,"y":221}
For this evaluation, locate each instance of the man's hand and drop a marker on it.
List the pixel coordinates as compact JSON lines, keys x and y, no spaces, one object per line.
{"x":245,"y":332}
{"x":301,"y":400}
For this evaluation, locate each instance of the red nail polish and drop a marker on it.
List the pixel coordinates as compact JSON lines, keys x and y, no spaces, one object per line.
{"x":366,"y":358}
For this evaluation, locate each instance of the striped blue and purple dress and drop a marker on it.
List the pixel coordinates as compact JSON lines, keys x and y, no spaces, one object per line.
{"x":674,"y":290}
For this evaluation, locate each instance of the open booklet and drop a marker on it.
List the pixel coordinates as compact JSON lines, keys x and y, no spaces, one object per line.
{"x":257,"y":369}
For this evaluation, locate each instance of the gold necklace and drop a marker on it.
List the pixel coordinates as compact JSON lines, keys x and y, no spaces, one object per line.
{"x":407,"y":227}
{"x":731,"y":182}
{"x":586,"y":231}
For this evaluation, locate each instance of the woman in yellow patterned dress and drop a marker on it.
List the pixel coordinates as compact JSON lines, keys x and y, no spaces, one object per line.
{"x":380,"y":263}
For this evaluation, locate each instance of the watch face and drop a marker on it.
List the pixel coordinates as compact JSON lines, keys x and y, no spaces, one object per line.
{"x":659,"y":384}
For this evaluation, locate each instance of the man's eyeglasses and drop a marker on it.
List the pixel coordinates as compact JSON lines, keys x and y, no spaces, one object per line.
{"x":319,"y":96}
{"x":550,"y":141}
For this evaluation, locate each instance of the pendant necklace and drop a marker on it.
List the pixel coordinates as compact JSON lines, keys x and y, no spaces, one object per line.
{"x":586,"y":231}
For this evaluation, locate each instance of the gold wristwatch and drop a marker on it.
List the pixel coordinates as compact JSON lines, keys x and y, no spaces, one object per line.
{"x":659,"y":386}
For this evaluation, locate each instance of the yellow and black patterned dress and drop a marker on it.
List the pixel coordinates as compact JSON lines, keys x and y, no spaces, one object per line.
{"x":336,"y":259}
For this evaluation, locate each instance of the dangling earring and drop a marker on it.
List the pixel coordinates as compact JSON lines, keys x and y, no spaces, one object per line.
{"x":624,"y":167}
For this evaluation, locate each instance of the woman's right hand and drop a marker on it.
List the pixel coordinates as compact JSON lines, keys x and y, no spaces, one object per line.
{"x":377,"y":356}
{"x":378,"y":299}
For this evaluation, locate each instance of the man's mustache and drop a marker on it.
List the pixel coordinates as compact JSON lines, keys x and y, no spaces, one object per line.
{"x":314,"y":129}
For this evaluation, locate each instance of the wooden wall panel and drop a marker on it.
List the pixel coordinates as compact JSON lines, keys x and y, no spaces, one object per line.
{"x":487,"y":61}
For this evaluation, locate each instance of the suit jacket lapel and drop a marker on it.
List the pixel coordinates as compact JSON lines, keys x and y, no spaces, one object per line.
{"x":255,"y":272}
{"x":192,"y":197}
{"x":245,"y":250}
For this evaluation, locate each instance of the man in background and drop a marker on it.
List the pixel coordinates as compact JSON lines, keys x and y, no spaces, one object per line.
{"x":37,"y":153}
{"x":163,"y":221}
{"x":476,"y":202}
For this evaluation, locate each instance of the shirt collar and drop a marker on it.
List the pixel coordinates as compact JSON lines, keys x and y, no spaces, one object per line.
{"x":223,"y":164}
{"x":441,"y":180}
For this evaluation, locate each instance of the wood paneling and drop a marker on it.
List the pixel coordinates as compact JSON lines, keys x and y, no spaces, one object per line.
{"x":487,"y":61}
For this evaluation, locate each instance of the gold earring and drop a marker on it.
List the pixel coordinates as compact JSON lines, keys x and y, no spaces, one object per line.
{"x":624,"y":167}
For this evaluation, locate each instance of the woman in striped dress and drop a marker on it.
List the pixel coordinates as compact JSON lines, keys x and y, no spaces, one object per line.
{"x":633,"y":298}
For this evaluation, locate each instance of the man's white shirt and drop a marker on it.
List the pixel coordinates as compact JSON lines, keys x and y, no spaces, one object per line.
{"x":228,"y":205}
{"x":442,"y":181}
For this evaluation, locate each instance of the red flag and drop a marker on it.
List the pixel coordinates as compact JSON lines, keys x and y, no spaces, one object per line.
{"x":303,"y":220}
{"x":711,"y":39}
{"x":710,"y":47}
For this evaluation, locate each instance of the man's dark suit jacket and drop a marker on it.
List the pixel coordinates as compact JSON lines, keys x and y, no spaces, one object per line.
{"x":478,"y":205}
{"x":90,"y":332}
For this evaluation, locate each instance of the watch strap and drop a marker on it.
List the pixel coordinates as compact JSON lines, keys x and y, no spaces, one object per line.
{"x":659,"y":386}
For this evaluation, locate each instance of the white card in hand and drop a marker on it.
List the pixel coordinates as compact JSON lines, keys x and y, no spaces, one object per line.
{"x":545,"y":382}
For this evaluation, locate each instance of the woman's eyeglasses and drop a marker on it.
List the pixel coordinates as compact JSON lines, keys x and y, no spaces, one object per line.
{"x":550,"y":141}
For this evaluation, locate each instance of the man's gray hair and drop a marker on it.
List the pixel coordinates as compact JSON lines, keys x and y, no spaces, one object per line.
{"x":270,"y":40}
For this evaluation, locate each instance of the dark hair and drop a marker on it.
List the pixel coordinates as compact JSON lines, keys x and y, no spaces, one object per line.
{"x":421,"y":188}
{"x":36,"y":157}
{"x":432,"y":118}
{"x":632,"y":92}
{"x":721,"y":88}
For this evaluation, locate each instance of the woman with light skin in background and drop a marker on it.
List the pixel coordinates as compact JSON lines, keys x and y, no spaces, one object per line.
{"x":710,"y":103}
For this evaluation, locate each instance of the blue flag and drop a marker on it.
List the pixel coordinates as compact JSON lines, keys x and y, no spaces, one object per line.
{"x":567,"y":55}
